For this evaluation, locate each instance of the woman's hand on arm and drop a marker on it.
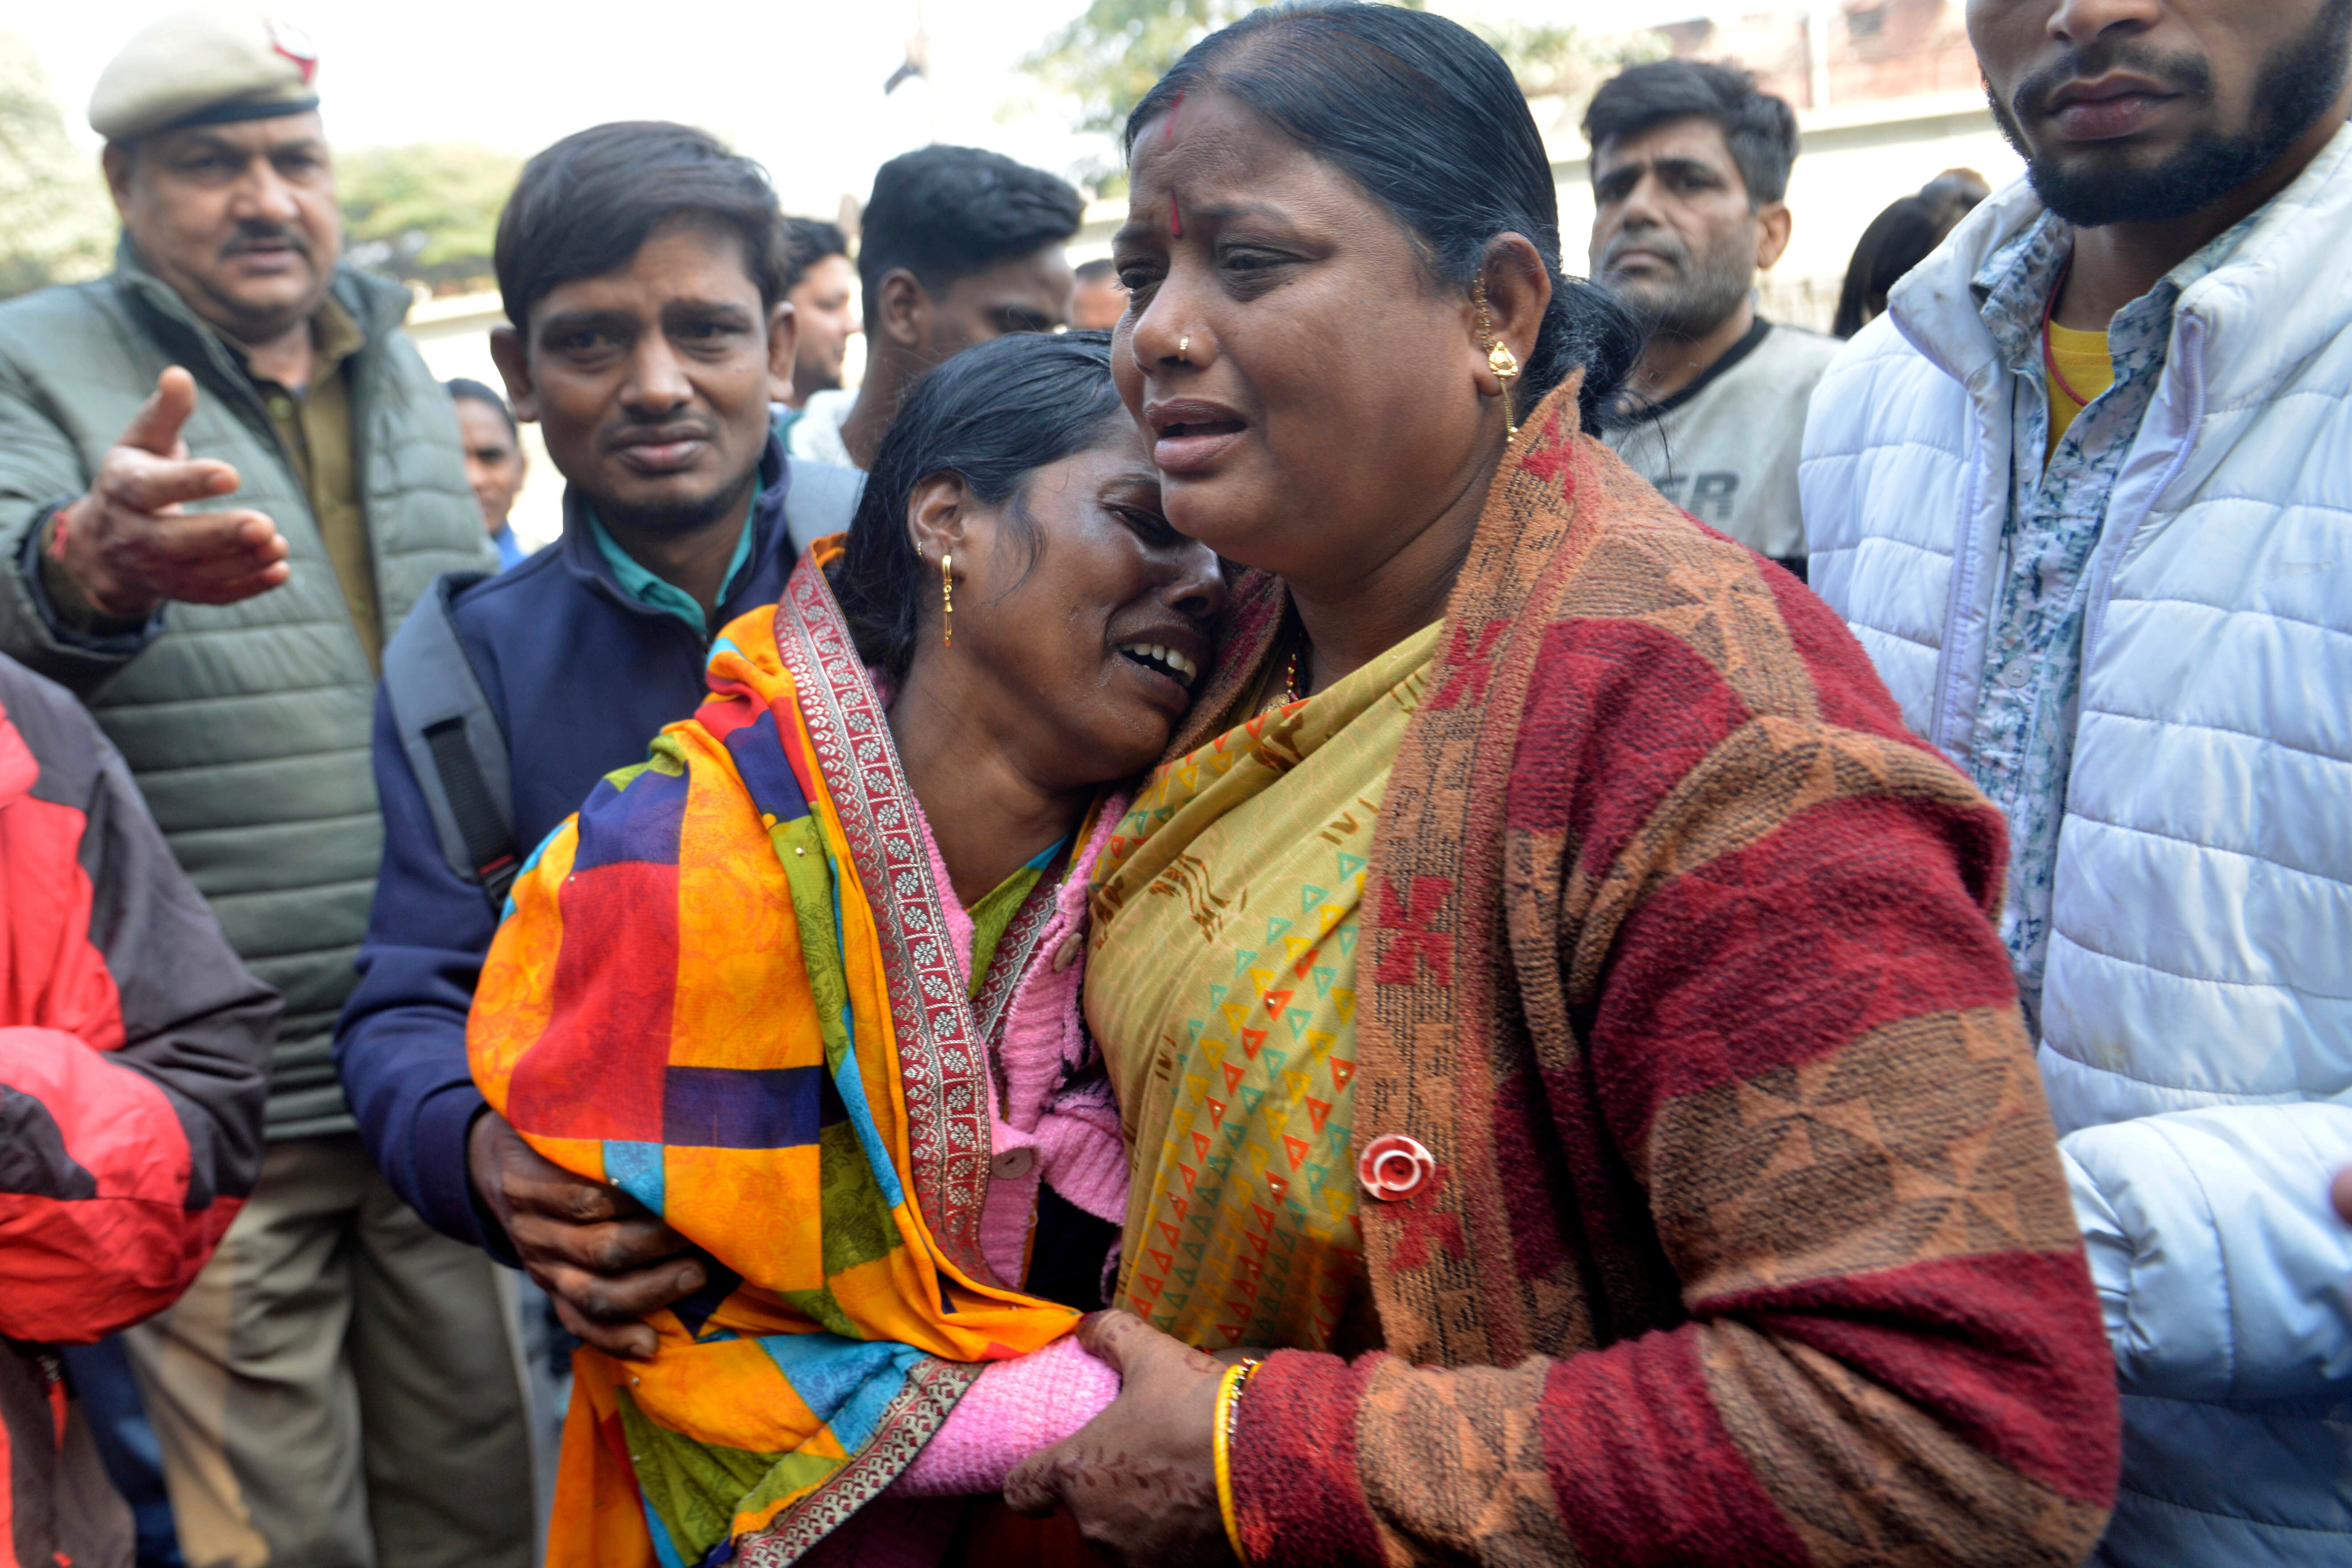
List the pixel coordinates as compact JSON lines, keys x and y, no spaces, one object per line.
{"x":605,"y":1258}
{"x":1141,"y":1478}
{"x":1015,"y":1408}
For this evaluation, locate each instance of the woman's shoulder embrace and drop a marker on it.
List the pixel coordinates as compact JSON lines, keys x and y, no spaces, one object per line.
{"x":1675,"y":683}
{"x":1639,"y":591}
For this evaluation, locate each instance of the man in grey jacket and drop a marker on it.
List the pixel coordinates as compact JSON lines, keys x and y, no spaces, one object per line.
{"x":225,"y":475}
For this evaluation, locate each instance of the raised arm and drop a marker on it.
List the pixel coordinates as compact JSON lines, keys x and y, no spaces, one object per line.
{"x":91,"y":558}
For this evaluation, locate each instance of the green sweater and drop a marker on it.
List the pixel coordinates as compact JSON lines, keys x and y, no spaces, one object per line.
{"x":246,"y":726}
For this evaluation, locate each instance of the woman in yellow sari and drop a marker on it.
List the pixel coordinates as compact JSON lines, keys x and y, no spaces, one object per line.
{"x":1569,"y":1063}
{"x":804,"y":985}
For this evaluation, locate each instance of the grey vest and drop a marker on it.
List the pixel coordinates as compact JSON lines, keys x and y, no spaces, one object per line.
{"x":246,"y":726}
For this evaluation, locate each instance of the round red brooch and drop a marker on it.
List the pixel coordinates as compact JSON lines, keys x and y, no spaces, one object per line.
{"x":1394,"y":1167}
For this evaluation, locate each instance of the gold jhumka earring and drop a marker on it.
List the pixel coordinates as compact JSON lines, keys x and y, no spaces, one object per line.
{"x":946,"y":602}
{"x":1499,"y":357}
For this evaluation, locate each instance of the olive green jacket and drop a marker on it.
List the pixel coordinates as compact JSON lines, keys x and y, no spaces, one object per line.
{"x":246,"y":725}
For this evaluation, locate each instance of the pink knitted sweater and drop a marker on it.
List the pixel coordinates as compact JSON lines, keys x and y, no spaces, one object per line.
{"x":1072,"y":1133}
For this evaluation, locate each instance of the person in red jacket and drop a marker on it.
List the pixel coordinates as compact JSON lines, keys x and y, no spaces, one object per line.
{"x":134,"y":1060}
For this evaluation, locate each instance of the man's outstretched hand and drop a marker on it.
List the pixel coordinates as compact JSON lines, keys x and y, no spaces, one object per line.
{"x":1141,"y":1478}
{"x":601,"y":1254}
{"x":128,"y":545}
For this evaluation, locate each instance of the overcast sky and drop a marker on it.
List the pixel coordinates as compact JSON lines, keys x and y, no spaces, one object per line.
{"x":794,"y":84}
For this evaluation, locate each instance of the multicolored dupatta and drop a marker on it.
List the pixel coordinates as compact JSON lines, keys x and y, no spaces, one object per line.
{"x":725,"y":987}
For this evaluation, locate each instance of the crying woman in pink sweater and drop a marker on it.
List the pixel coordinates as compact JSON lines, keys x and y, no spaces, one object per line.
{"x":873,"y":1126}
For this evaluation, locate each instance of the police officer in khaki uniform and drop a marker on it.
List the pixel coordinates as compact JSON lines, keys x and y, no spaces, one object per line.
{"x":225,"y":476}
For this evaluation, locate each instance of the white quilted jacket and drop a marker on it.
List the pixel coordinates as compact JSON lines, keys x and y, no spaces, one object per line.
{"x":2198,"y":1007}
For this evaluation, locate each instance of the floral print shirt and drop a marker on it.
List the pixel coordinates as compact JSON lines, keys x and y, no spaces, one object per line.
{"x":2030,"y":701}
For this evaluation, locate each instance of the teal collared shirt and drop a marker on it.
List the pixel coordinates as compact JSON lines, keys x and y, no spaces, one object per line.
{"x":668,"y":597}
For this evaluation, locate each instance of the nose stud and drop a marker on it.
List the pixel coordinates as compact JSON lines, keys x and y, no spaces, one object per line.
{"x":1183,"y":347}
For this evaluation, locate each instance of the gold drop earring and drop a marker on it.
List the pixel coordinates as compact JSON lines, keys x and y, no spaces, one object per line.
{"x":1499,"y":357}
{"x":947,"y":601}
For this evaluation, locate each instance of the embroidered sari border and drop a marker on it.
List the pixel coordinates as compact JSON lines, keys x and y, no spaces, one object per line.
{"x":942,"y":1064}
{"x":911,"y":1420}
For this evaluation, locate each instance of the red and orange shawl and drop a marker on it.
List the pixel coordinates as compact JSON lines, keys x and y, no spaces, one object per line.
{"x":1744,"y":1238}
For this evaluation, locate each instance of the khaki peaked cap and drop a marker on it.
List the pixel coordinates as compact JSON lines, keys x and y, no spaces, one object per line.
{"x":205,"y":68}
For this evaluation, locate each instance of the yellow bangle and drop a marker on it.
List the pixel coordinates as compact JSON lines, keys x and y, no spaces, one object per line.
{"x":1221,"y":1438}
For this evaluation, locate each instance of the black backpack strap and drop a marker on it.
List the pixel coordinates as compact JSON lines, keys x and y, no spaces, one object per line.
{"x":453,"y":741}
{"x":821,"y":499}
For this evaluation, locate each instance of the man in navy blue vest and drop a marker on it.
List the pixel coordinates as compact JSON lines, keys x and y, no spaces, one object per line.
{"x":643,"y":272}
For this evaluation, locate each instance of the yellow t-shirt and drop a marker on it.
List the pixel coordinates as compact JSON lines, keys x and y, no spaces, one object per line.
{"x":2083,"y":359}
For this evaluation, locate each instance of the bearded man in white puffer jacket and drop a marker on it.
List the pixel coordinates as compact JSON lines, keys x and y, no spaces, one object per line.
{"x":2086,"y":495}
